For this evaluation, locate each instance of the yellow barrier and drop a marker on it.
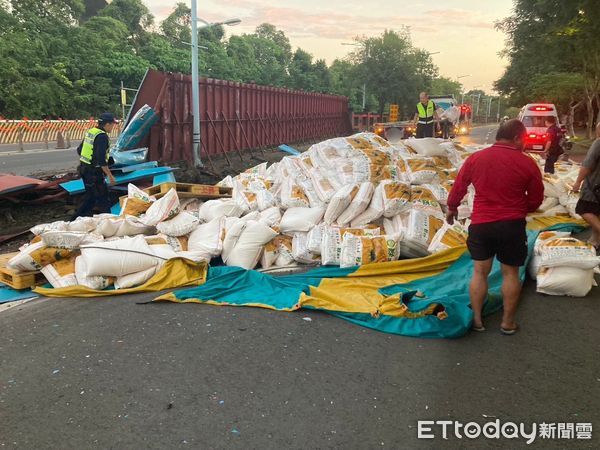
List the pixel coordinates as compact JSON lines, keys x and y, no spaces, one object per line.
{"x":29,"y":131}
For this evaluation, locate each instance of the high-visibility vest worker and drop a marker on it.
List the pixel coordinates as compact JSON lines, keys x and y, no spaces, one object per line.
{"x":87,"y":149}
{"x":426,"y":114}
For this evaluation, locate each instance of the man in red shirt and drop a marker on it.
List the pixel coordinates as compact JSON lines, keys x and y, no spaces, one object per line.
{"x":508,"y":186}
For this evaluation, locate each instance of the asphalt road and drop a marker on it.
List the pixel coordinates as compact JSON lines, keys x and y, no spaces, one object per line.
{"x":110,"y":373}
{"x":33,"y":161}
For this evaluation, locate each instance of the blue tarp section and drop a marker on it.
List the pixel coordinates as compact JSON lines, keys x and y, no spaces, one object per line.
{"x":448,"y":290}
{"x":137,"y":128}
{"x":8,"y":294}
{"x":288,"y":149}
{"x":76,"y":186}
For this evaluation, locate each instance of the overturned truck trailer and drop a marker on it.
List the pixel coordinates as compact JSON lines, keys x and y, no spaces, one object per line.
{"x":233,"y":116}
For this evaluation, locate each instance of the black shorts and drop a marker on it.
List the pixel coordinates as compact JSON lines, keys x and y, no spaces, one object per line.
{"x":585,"y":207}
{"x":506,"y":239}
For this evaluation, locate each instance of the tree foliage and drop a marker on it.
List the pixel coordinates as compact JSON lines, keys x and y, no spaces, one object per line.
{"x":554,"y":53}
{"x":59,"y":59}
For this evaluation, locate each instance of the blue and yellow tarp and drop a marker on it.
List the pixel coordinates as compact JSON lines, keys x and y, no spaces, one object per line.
{"x":424,"y":297}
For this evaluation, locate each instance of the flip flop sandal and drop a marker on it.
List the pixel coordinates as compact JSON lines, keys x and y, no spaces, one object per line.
{"x":478,"y":329}
{"x":509,"y":331}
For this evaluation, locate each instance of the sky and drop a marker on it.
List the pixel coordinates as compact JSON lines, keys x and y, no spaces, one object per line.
{"x":462,"y":31}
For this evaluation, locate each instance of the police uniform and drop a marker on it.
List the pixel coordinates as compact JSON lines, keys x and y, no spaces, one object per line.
{"x":425,"y":123}
{"x":94,"y":154}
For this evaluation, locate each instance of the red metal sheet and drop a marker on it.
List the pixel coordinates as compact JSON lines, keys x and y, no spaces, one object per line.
{"x":235,"y":116}
{"x":13,"y":183}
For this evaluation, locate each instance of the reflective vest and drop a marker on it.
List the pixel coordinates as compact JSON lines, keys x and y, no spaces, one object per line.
{"x":87,"y":149}
{"x":425,"y":116}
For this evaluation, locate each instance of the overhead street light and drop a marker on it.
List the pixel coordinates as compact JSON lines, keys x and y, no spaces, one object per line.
{"x":196,"y":79}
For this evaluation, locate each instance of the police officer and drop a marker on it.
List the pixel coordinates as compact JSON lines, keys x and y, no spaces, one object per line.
{"x":425,"y":116}
{"x":553,"y":147}
{"x":94,"y":156}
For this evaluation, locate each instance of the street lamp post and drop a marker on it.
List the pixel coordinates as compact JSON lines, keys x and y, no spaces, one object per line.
{"x":359,"y":44}
{"x":196,"y":79}
{"x":462,"y":100}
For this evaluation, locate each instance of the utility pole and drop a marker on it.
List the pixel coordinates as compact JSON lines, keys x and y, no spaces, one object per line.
{"x":498,"y":114}
{"x":195,"y":89}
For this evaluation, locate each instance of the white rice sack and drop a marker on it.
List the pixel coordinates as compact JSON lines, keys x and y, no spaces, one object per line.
{"x":207,"y":238}
{"x":134,"y":192}
{"x":232,"y":235}
{"x":180,"y":225}
{"x":421,"y":228}
{"x":83,"y":224}
{"x":362,"y":250}
{"x":427,"y":146}
{"x":322,"y":186}
{"x":554,"y":186}
{"x":331,"y":244}
{"x":373,"y":212}
{"x":258,"y":170}
{"x":420,"y":170}
{"x":558,"y":210}
{"x":61,"y":273}
{"x":546,"y":236}
{"x":269,"y":254}
{"x":449,"y":236}
{"x":284,"y":251}
{"x":271,"y":216}
{"x":119,"y":257}
{"x":568,"y":252}
{"x":54,"y":226}
{"x":423,"y":199}
{"x":69,"y":239}
{"x":22,"y":261}
{"x":315,"y":238}
{"x":226,"y":182}
{"x":132,"y":226}
{"x":565,"y":281}
{"x":441,"y":191}
{"x":393,"y":225}
{"x":306,"y":184}
{"x":396,"y":197}
{"x":548,"y":203}
{"x":569,"y":201}
{"x":249,"y":246}
{"x":359,"y":203}
{"x":292,"y":195}
{"x":108,"y":226}
{"x":97,"y":283}
{"x":340,"y":202}
{"x":162,"y":209}
{"x":300,"y":219}
{"x":136,"y":279}
{"x":300,"y":250}
{"x":214,"y":209}
{"x":265,"y":200}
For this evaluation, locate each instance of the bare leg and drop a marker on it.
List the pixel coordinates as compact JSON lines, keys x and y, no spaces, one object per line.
{"x":479,"y":288}
{"x":511,"y":290}
{"x":594,"y":222}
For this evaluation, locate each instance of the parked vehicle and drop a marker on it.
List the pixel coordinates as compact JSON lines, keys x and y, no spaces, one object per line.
{"x":533,"y":116}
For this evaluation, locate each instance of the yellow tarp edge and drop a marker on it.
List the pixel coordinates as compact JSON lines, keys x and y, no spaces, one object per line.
{"x":177,"y":272}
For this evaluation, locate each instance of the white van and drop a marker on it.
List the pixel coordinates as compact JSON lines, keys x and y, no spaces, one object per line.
{"x":533,"y":116}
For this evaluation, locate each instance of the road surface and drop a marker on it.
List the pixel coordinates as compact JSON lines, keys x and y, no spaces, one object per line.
{"x":33,"y":161}
{"x":111,"y":373}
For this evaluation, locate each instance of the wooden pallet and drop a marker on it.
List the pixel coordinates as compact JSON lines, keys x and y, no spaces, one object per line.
{"x":186,"y":190}
{"x":18,"y":280}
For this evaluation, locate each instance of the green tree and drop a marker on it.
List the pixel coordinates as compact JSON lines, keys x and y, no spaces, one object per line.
{"x":394,"y":70}
{"x":133,"y":13}
{"x":445,"y":86}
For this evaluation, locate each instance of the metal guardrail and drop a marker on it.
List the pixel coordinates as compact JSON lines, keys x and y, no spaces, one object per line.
{"x":31,"y":131}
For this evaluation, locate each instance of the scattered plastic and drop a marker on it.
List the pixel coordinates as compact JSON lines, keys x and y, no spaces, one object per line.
{"x":307,"y":319}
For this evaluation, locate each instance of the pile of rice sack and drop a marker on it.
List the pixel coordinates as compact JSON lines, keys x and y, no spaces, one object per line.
{"x":563,"y":265}
{"x":345,"y":202}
